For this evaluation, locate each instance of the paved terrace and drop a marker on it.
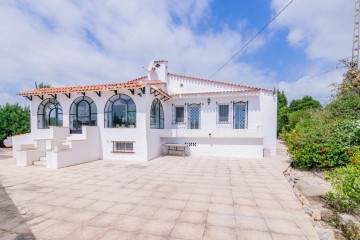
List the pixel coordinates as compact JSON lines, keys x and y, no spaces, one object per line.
{"x":167,"y":198}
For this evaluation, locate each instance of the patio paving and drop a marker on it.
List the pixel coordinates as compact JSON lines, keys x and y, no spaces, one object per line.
{"x":168,"y":198}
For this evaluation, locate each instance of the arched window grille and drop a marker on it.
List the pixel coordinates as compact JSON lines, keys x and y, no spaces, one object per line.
{"x":83,"y":112}
{"x":120,"y":111}
{"x":49,"y":113}
{"x":156,"y":115}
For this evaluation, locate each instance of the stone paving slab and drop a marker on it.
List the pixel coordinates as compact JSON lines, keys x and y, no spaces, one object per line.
{"x":12,"y":224}
{"x":167,"y":198}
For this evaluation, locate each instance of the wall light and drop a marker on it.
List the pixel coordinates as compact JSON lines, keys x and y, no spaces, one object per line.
{"x":208,"y":101}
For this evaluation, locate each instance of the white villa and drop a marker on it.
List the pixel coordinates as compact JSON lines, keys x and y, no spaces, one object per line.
{"x":142,"y":118}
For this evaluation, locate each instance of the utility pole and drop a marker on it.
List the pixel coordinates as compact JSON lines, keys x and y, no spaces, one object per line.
{"x":356,"y":45}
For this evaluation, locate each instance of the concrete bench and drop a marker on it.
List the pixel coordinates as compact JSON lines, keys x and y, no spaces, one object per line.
{"x":176,"y":147}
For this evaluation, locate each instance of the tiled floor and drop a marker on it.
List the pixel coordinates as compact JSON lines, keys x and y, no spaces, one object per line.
{"x":167,"y":198}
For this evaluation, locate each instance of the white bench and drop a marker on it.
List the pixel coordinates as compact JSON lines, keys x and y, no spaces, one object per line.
{"x":177,"y":147}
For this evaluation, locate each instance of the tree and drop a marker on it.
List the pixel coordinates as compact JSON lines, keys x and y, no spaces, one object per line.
{"x":351,"y":80}
{"x":14,"y":119}
{"x":283,"y":118}
{"x":307,"y":102}
{"x":282,"y":99}
{"x":43,"y":85}
{"x":346,"y":101}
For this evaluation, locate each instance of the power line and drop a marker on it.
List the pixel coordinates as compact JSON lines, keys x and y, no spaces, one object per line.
{"x":317,"y":75}
{"x":252,"y":39}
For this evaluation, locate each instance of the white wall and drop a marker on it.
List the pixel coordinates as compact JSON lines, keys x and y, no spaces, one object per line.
{"x":81,"y":150}
{"x":179,"y":85}
{"x":209,"y":111}
{"x":225,"y":147}
{"x":153,"y":136}
{"x":268,"y":103}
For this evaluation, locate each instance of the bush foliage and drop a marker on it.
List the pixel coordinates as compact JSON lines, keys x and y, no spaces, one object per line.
{"x":14,"y":119}
{"x":345,"y":182}
{"x":322,"y":142}
{"x":329,"y":139}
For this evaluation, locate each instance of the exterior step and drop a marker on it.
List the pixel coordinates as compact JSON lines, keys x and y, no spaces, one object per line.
{"x":39,"y":163}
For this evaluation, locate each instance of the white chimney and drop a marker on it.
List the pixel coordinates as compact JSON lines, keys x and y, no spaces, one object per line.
{"x":157,"y":70}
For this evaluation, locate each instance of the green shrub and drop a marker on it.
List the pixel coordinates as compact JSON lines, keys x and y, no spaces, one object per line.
{"x":14,"y":119}
{"x":345,"y":106}
{"x":296,"y":117}
{"x":321,"y":142}
{"x":345,"y":186}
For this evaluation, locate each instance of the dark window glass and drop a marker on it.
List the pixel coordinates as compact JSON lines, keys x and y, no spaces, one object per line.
{"x":49,"y":113}
{"x":156,"y":115}
{"x":83,"y":112}
{"x":120,"y":112}
{"x":179,"y":114}
{"x":223,"y":113}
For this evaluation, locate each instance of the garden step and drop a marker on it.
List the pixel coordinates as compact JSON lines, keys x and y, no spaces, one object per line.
{"x":39,"y":163}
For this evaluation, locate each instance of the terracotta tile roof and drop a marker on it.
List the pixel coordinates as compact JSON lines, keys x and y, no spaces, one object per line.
{"x":135,"y":83}
{"x":163,"y":92}
{"x":219,"y":82}
{"x":216,"y":92}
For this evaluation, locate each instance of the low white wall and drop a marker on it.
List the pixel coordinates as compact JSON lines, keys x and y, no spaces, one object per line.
{"x":17,"y":141}
{"x":252,"y":148}
{"x":269,"y":117}
{"x":26,"y":157}
{"x":154,"y":141}
{"x":81,"y":151}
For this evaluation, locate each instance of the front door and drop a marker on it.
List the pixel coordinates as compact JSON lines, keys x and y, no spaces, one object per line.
{"x":194,"y":116}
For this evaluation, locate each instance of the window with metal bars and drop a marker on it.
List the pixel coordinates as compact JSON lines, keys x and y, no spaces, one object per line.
{"x":123,"y":147}
{"x":240,"y":115}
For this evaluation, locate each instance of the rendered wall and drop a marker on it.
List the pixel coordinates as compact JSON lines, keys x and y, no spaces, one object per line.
{"x":229,"y":147}
{"x":81,"y":150}
{"x":269,"y":117}
{"x":188,"y":85}
{"x":153,"y":136}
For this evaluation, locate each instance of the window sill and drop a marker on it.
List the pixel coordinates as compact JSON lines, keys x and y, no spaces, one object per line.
{"x":179,"y":123}
{"x":123,"y":152}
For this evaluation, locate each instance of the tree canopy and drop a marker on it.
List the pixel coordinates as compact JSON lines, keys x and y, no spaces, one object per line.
{"x":14,"y":119}
{"x":307,"y":102}
{"x":44,"y":85}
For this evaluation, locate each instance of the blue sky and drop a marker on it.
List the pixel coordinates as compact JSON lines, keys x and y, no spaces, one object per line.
{"x":68,"y":42}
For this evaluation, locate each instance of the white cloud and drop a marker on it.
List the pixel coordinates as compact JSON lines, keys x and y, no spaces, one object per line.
{"x":64,"y":42}
{"x":319,"y":85}
{"x":323,"y":29}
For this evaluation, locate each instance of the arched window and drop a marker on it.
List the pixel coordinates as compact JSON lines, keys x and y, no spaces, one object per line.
{"x":120,"y":111}
{"x":156,"y":115}
{"x":82,"y":112}
{"x":49,"y":113}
